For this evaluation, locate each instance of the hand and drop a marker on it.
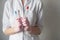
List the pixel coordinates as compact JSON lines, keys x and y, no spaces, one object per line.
{"x":20,"y":23}
{"x":25,"y":23}
{"x":34,"y":30}
{"x":17,"y":25}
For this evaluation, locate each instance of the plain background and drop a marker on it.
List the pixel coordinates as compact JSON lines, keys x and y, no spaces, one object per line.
{"x":51,"y":20}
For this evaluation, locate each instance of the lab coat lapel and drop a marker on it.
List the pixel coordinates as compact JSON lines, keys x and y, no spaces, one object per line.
{"x":27,"y":2}
{"x":20,"y":3}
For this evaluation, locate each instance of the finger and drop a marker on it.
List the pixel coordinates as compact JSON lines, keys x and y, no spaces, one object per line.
{"x":23,"y":20}
{"x":19,"y":20}
{"x":29,"y":28}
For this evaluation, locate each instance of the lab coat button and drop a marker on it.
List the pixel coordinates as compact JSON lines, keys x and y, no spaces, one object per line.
{"x":15,"y":12}
{"x":27,"y":7}
{"x":18,"y":11}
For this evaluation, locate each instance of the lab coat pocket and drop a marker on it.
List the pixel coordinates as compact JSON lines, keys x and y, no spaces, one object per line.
{"x":13,"y":17}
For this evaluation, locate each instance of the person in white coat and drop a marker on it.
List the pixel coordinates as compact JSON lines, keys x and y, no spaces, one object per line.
{"x":22,"y":19}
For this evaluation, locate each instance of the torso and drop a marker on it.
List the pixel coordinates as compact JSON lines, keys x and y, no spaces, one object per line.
{"x":29,"y":11}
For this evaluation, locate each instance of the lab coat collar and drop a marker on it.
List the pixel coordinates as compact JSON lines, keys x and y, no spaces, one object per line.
{"x":25,"y":3}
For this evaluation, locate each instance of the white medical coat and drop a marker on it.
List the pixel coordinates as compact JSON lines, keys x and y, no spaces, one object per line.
{"x":32,"y":9}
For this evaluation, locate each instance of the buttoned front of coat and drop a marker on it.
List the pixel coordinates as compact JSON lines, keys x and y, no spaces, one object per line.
{"x":32,"y":10}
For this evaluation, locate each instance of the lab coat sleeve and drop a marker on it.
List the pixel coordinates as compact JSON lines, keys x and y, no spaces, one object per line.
{"x":40,"y":14}
{"x":5,"y":19}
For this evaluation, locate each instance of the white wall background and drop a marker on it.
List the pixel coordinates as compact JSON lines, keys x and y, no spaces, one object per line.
{"x":51,"y":29}
{"x":2,"y":36}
